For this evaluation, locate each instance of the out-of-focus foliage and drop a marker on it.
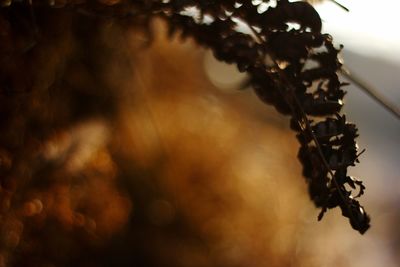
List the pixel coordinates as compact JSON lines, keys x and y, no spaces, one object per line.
{"x":150,"y":168}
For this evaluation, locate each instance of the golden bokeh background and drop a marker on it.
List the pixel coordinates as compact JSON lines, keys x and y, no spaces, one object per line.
{"x":159,"y":166}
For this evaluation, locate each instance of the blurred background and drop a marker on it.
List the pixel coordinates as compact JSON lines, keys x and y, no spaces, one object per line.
{"x":152,"y":156}
{"x":369,"y":33}
{"x":371,"y":51}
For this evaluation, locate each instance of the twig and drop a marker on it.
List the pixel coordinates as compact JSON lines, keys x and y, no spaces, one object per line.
{"x":339,"y":4}
{"x":371,"y":91}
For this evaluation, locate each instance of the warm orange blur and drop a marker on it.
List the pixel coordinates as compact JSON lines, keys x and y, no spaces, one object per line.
{"x":184,"y":174}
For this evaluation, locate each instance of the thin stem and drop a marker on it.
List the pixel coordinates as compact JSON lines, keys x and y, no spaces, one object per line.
{"x":339,"y":4}
{"x":372,"y":92}
{"x":292,"y":90}
{"x":317,"y":145}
